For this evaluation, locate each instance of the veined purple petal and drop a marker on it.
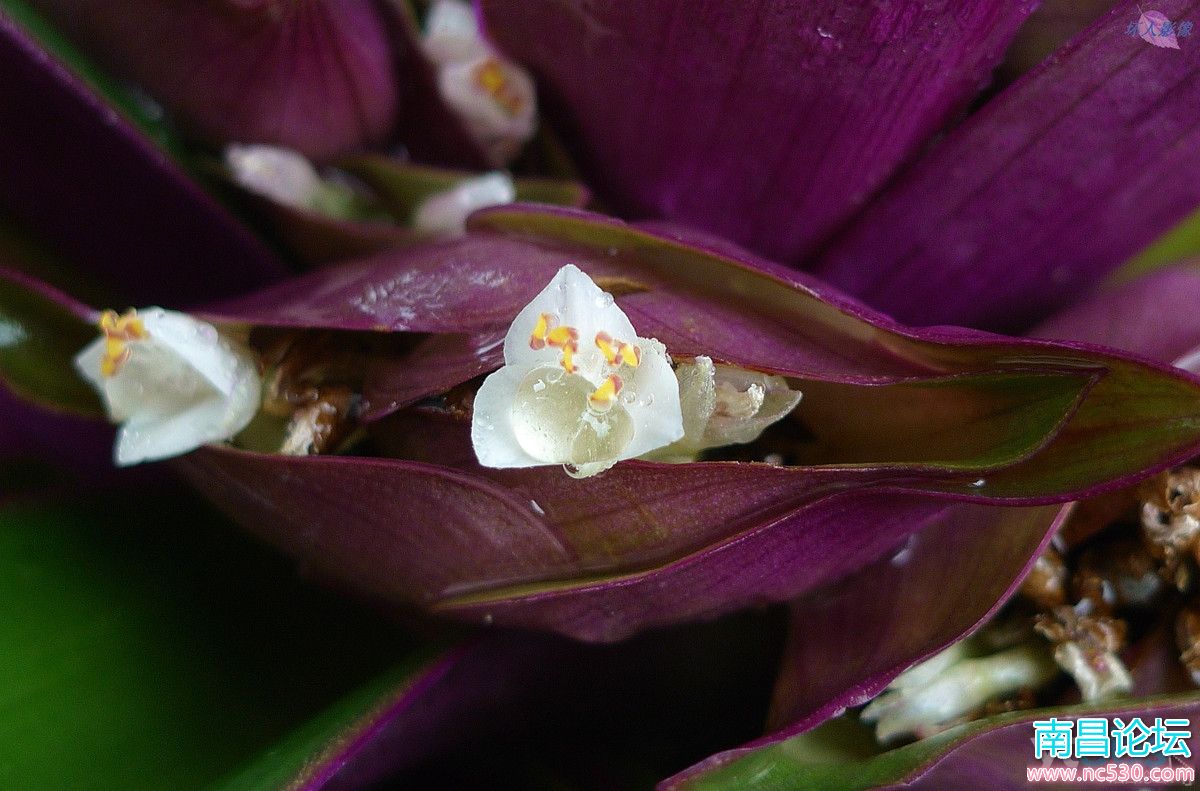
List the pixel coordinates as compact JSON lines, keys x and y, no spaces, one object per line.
{"x":1054,"y":183}
{"x":850,"y":639}
{"x":769,"y":122}
{"x":1154,"y":315}
{"x":315,"y":76}
{"x":81,"y":175}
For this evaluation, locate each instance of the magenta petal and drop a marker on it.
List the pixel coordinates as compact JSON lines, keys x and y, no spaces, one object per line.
{"x":767,"y":122}
{"x":314,"y":76}
{"x":83,"y":177}
{"x":1055,"y":182}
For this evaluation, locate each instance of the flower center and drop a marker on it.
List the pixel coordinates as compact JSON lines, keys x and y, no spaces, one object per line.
{"x":119,"y":331}
{"x":492,"y":79}
{"x":561,"y":417}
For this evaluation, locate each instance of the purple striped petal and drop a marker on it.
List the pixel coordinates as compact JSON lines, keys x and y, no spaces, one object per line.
{"x":769,"y":122}
{"x":1051,"y":185}
{"x":849,"y":640}
{"x":315,"y":76}
{"x":81,"y":175}
{"x":1154,"y":315}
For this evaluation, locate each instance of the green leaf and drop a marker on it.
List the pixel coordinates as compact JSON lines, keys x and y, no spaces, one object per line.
{"x":1177,"y":244}
{"x":403,"y":186}
{"x":145,"y":645}
{"x":39,"y":338}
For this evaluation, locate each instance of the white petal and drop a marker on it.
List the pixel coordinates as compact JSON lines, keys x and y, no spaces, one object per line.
{"x":492,"y":432}
{"x":652,"y":399}
{"x":446,"y":212}
{"x":199,"y":344}
{"x":280,"y":174}
{"x":452,"y":32}
{"x":575,"y":301}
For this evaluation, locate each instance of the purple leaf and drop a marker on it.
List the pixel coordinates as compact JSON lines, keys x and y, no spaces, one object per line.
{"x":954,"y":412}
{"x":849,"y":640}
{"x":315,"y":76}
{"x":80,"y":174}
{"x":1154,"y":315}
{"x":1055,"y":182}
{"x":1154,"y":27}
{"x":770,"y":122}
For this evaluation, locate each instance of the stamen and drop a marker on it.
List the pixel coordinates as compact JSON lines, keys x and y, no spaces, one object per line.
{"x":568,"y":358}
{"x":118,"y":332}
{"x":616,"y":352}
{"x":567,"y":339}
{"x":537,"y":339}
{"x":601,"y":400}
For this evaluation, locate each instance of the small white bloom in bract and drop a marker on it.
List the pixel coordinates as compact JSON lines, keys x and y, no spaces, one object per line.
{"x":494,"y":97}
{"x":578,"y":387}
{"x":446,"y":212}
{"x":283,"y":175}
{"x":173,"y":383}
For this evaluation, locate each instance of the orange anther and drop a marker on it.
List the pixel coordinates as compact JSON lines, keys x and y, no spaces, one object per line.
{"x":604,"y":342}
{"x":604,"y":395}
{"x":631,"y":355}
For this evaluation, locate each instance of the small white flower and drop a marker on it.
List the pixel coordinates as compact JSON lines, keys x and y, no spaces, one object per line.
{"x":940,"y":692}
{"x":494,"y":97}
{"x":446,"y":212}
{"x":280,"y":174}
{"x":578,"y":387}
{"x":173,"y":383}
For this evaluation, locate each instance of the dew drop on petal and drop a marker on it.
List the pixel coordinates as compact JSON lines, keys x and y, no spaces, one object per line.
{"x":555,"y":424}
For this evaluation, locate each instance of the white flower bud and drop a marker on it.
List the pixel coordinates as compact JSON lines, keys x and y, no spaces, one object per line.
{"x":173,"y":383}
{"x":446,"y":212}
{"x":280,"y":174}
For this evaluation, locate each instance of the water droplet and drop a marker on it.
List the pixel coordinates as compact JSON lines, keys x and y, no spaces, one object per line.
{"x":823,"y":33}
{"x":648,"y":400}
{"x":537,"y":508}
{"x":628,"y":397}
{"x":978,"y":484}
{"x":488,"y":618}
{"x":539,"y":386}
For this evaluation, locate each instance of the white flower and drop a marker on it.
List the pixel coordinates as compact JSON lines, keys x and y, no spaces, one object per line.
{"x":280,"y":174}
{"x":578,"y":387}
{"x":172,"y":382}
{"x":940,"y":692}
{"x":494,"y":97}
{"x":446,"y":212}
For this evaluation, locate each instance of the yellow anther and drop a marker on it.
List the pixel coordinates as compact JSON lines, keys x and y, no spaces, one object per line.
{"x":606,"y":393}
{"x":563,"y":336}
{"x":604,"y":342}
{"x":616,"y":352}
{"x":537,"y":339}
{"x":491,"y":77}
{"x":118,"y":332}
{"x":568,"y":358}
